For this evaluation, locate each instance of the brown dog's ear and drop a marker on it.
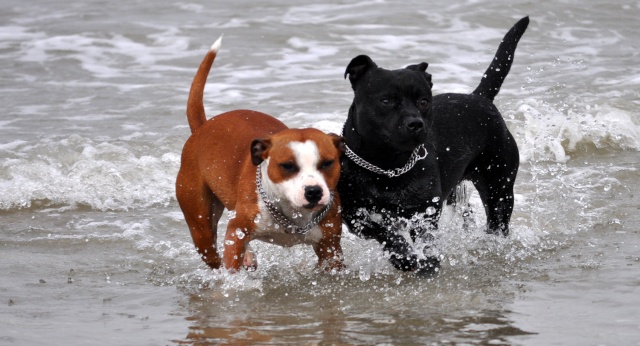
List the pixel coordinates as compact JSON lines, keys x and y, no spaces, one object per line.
{"x":259,"y":150}
{"x":358,"y":66}
{"x":338,"y":141}
{"x":422,"y":67}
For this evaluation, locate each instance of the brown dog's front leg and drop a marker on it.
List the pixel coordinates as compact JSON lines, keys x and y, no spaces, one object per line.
{"x":329,"y":255}
{"x":328,"y":249}
{"x":235,"y":245}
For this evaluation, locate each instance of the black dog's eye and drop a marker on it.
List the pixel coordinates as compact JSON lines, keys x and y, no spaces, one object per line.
{"x":325,"y":164}
{"x":289,"y":167}
{"x":387,"y":101}
{"x":423,"y":103}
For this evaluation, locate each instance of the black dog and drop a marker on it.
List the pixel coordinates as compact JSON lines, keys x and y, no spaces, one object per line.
{"x":408,"y":150}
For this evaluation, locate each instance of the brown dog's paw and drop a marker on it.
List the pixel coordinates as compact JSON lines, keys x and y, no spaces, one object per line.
{"x":250,"y":261}
{"x":330,"y":264}
{"x":214,"y":262}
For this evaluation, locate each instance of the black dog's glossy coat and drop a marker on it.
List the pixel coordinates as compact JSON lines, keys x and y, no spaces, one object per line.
{"x":393,"y":112}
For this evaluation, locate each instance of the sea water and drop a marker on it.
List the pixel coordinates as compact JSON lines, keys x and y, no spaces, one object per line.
{"x":95,"y":251}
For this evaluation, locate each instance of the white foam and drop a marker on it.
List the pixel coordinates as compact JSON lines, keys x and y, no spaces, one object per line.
{"x":547,"y":133}
{"x":79,"y":171}
{"x":107,"y":57}
{"x":12,"y":145}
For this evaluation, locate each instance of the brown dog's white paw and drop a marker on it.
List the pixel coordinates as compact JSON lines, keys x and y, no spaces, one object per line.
{"x":250,"y":261}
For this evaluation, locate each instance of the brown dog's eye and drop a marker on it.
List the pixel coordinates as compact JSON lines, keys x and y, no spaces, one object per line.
{"x":326,"y":164}
{"x":423,"y":103}
{"x":289,"y":167}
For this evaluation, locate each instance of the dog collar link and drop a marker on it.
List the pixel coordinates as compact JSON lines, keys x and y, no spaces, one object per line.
{"x":391,"y":173}
{"x":282,"y":219}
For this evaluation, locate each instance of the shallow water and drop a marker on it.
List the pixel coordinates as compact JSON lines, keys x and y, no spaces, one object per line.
{"x":94,"y":247}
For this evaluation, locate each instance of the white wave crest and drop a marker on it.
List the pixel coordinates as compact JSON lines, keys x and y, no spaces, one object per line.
{"x":79,"y":171}
{"x":547,"y":133}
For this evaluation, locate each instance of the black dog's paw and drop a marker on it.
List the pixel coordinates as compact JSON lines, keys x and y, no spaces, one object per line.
{"x":406,"y":263}
{"x":428,"y":267}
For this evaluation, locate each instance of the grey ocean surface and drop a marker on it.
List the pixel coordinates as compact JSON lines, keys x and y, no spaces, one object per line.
{"x":93,"y":246}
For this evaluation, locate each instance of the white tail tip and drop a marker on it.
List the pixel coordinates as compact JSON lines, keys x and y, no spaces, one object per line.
{"x":216,"y":45}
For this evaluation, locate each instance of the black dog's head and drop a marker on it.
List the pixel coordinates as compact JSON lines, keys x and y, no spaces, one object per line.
{"x":392,"y":107}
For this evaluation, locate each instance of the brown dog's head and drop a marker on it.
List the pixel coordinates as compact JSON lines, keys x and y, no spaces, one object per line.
{"x":303,"y":165}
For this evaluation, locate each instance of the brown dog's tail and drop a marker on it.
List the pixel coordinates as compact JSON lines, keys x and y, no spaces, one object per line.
{"x":195,"y":107}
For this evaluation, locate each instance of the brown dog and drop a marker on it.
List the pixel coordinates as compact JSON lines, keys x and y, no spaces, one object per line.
{"x":280,"y":182}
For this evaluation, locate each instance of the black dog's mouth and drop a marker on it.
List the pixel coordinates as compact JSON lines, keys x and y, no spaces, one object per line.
{"x":407,"y":141}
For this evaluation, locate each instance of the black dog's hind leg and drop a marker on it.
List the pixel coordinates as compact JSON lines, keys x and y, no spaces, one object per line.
{"x":494,"y":182}
{"x":498,"y":206}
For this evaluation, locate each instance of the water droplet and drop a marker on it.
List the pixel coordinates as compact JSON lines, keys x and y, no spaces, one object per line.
{"x":431,"y":211}
{"x":364,"y":275}
{"x":239,"y":233}
{"x":229,"y":242}
{"x":448,"y":148}
{"x":607,"y":187}
{"x":435,"y":199}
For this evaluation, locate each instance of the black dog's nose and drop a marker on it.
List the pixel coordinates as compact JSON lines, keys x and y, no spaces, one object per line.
{"x":415,"y":125}
{"x":313,"y":194}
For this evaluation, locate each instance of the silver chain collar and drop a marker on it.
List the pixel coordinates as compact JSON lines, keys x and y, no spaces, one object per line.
{"x":282,"y":219}
{"x":391,"y":173}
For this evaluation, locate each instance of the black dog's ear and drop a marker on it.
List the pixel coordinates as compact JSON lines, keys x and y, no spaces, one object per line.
{"x":422,"y":67}
{"x":259,"y":150}
{"x":358,"y":66}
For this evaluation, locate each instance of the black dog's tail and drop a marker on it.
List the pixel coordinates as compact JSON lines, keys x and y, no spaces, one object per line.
{"x":501,"y":64}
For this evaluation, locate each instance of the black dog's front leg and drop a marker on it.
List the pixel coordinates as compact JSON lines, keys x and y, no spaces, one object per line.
{"x":401,"y":252}
{"x":403,"y":255}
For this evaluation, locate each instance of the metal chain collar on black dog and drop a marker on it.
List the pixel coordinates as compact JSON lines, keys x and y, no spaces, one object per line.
{"x":282,"y":219}
{"x":391,"y":173}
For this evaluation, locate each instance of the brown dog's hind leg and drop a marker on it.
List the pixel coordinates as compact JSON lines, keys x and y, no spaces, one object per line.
{"x":202,"y":211}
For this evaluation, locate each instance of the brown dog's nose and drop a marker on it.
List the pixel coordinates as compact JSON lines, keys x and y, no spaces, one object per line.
{"x":313,"y":194}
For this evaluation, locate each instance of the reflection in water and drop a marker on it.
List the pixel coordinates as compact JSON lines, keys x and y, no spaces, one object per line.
{"x":343,"y":309}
